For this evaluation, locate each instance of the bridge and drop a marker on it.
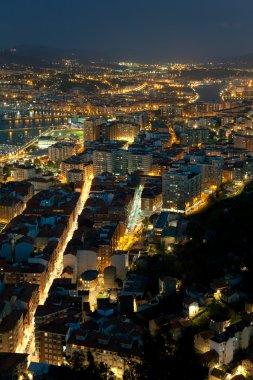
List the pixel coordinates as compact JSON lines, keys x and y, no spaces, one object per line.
{"x":36,"y":111}
{"x":19,"y":150}
{"x":31,"y":119}
{"x":27,"y":128}
{"x":2,"y":225}
{"x":18,"y":115}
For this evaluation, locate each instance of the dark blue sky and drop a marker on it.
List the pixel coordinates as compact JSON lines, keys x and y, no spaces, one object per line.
{"x":146,"y":29}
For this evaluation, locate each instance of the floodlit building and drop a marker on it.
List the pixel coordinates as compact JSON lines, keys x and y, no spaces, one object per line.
{"x":226,"y":344}
{"x":181,"y":190}
{"x":60,"y":151}
{"x":23,"y":172}
{"x":77,"y":162}
{"x":89,"y":128}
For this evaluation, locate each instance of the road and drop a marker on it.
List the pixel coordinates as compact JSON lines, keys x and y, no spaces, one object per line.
{"x":28,"y":343}
{"x":2,"y":225}
{"x":136,"y":209}
{"x":19,"y":151}
{"x":131,"y":237}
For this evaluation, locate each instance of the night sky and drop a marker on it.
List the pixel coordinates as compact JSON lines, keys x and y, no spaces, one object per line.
{"x":157,"y":30}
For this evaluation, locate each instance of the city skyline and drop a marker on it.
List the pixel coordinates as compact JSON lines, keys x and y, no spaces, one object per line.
{"x":141,"y":30}
{"x":126,"y":190}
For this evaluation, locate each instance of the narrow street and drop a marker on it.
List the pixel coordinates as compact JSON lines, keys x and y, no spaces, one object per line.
{"x":28,"y":343}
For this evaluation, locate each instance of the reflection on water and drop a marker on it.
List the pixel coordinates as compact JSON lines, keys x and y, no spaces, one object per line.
{"x":23,"y":131}
{"x":10,"y":137}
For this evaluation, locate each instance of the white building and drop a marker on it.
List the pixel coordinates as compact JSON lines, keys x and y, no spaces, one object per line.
{"x":60,"y":151}
{"x":223,"y":344}
{"x":236,"y":336}
{"x":23,"y":172}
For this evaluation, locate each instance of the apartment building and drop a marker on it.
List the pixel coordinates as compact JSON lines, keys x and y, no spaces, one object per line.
{"x":23,"y":172}
{"x":181,"y":190}
{"x":61,"y":151}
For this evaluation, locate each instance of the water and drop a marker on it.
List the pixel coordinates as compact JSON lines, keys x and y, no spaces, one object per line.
{"x":19,"y":132}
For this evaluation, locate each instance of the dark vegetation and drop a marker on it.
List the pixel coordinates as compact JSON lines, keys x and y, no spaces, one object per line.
{"x":220,"y":243}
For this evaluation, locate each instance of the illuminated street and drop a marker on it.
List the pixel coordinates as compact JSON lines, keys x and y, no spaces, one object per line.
{"x":28,"y":343}
{"x":126,"y":190}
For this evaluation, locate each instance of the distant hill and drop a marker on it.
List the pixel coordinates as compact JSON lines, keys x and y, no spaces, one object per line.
{"x":44,"y":56}
{"x":245,"y":59}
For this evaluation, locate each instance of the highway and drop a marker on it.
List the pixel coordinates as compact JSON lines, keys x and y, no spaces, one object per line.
{"x":129,"y":89}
